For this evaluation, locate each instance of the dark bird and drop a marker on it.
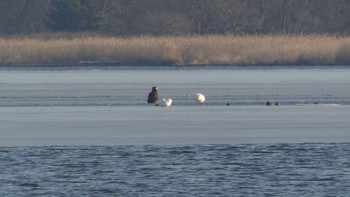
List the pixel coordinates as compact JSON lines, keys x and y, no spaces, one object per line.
{"x":153,"y":95}
{"x":268,"y":103}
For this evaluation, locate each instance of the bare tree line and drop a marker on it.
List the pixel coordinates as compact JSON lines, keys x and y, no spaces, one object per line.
{"x":175,"y":17}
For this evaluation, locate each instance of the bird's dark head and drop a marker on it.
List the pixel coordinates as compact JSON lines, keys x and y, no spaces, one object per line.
{"x":154,"y":88}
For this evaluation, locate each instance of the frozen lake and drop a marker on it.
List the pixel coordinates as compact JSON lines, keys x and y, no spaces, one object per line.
{"x":107,"y":106}
{"x":89,"y":132}
{"x":142,"y":125}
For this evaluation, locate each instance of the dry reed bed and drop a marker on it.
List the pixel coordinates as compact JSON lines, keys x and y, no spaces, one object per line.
{"x":187,"y":50}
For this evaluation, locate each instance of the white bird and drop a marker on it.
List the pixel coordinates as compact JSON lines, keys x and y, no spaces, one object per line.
{"x":167,"y":102}
{"x":200,"y":98}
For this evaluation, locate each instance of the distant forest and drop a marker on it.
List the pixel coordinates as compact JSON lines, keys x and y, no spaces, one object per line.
{"x":175,"y":17}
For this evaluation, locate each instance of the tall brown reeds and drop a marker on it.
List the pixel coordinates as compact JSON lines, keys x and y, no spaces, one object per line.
{"x":185,"y":50}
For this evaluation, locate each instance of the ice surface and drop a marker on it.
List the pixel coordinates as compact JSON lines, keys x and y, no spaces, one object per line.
{"x":54,"y":87}
{"x":123,"y":125}
{"x":107,"y":106}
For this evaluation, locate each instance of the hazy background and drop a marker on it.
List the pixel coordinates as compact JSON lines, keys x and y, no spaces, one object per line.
{"x":175,"y":17}
{"x":181,"y":32}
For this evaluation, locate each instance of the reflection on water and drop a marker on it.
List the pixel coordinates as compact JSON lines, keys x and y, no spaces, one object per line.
{"x":190,"y":170}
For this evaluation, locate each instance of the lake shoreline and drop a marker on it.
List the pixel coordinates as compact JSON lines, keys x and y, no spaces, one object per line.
{"x":150,"y":65}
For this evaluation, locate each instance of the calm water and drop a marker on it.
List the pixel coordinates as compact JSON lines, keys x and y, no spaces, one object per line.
{"x":89,"y":132}
{"x":190,"y":170}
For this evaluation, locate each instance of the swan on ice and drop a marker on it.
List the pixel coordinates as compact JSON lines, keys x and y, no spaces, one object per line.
{"x":200,"y":98}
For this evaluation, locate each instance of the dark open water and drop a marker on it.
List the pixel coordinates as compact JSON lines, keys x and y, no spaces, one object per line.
{"x":192,"y":170}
